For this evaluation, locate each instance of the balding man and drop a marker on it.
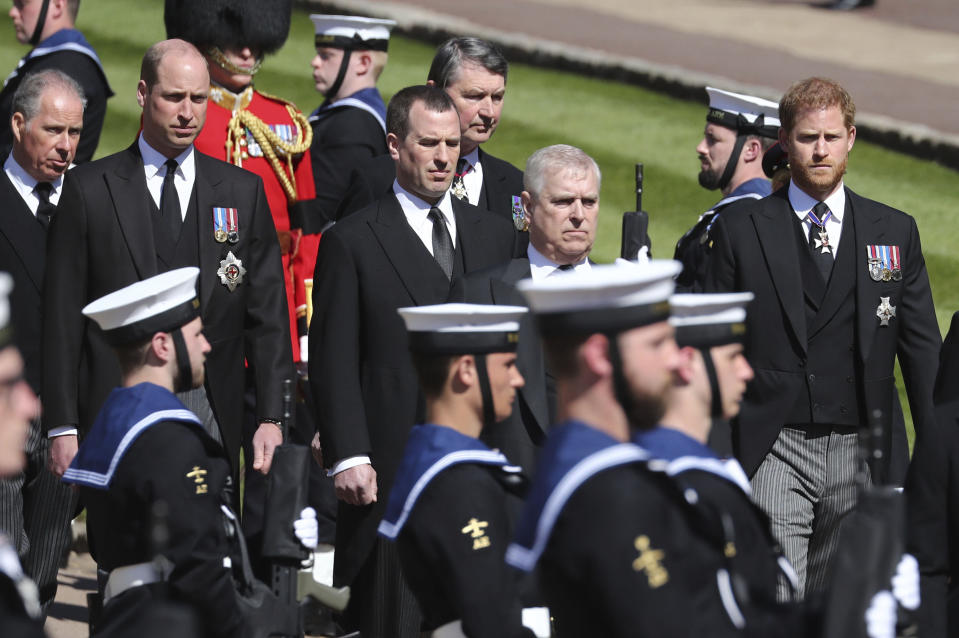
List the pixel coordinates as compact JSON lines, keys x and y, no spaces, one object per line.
{"x":156,"y":206}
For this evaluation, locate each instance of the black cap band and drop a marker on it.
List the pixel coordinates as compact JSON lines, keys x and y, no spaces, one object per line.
{"x":608,"y":320}
{"x":456,"y":343}
{"x":738,"y":122}
{"x":166,"y":321}
{"x":710,"y":335}
{"x":355,"y":43}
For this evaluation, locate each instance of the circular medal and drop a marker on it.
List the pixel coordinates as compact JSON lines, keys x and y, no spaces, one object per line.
{"x":886,"y":274}
{"x":219,"y":235}
{"x":234,"y":237}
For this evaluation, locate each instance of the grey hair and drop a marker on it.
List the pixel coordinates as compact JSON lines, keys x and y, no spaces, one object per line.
{"x":26,"y":99}
{"x":451,"y":55}
{"x":553,"y":158}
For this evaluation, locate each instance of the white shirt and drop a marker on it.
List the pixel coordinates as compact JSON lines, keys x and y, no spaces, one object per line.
{"x":473,"y":179}
{"x":154,"y":168}
{"x":541,"y":267}
{"x":417,"y":216}
{"x":26,"y":185}
{"x":803,"y":203}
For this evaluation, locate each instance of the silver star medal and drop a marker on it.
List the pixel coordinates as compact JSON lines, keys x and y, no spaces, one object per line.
{"x":823,"y":241}
{"x":885,"y":311}
{"x":231,"y":271}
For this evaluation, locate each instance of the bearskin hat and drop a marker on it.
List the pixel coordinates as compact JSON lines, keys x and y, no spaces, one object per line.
{"x":259,"y":24}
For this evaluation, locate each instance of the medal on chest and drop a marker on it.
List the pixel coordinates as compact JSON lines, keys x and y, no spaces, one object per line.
{"x":886,"y":311}
{"x":884,"y":262}
{"x":231,"y":271}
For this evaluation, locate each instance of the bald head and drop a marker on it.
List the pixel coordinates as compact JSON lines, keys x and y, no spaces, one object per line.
{"x":155,"y":54}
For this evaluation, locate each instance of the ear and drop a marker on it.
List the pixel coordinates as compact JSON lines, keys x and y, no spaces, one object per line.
{"x":430,"y":83}
{"x":18,"y":124}
{"x":161,"y":345}
{"x":464,"y":370}
{"x":688,"y":359}
{"x":527,"y":200}
{"x":393,"y":144}
{"x":752,"y":151}
{"x":56,"y":9}
{"x":595,"y":355}
{"x":784,"y":139}
{"x":363,"y":62}
{"x":142,"y":93}
{"x":852,"y":137}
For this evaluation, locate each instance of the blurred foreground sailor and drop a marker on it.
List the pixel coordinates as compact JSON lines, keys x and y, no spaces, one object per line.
{"x":19,"y":599}
{"x":739,"y":128}
{"x":454,"y":500}
{"x":147,"y":450}
{"x":619,"y":545}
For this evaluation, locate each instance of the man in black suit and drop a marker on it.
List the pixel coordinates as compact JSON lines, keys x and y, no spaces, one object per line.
{"x":48,"y":26}
{"x":841,"y":290}
{"x":402,"y":250}
{"x":561,"y":204}
{"x":473,"y":73}
{"x":156,"y":206}
{"x":35,"y":508}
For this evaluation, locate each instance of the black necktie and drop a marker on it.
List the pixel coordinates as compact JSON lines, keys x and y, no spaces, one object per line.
{"x":819,"y":244}
{"x":442,"y":243}
{"x":170,"y":201}
{"x":458,"y":187}
{"x":45,"y":209}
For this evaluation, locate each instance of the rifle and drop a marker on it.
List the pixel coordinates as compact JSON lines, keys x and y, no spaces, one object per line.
{"x":287,"y":485}
{"x":635,"y":224}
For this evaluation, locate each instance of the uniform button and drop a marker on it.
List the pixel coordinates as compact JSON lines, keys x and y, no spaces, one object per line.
{"x":843,"y":410}
{"x":849,"y":379}
{"x":812,"y":378}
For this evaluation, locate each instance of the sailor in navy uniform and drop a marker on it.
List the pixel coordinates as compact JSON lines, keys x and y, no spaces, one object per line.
{"x":620,"y":547}
{"x":454,"y":500}
{"x":146,"y":448}
{"x":709,"y":384}
{"x":350,"y":126}
{"x":19,"y":599}
{"x":58,"y":45}
{"x":739,"y":128}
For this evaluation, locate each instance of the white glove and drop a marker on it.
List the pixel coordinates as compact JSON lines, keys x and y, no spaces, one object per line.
{"x":881,"y":616}
{"x":305,"y":348}
{"x":307,"y":529}
{"x":905,"y":582}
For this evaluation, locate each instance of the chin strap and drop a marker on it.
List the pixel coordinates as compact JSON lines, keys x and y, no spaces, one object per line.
{"x":620,"y":386}
{"x":184,"y":380}
{"x":716,"y":403}
{"x":489,"y":414}
{"x":41,"y":21}
{"x":222,"y":61}
{"x":340,"y":76}
{"x":732,"y":161}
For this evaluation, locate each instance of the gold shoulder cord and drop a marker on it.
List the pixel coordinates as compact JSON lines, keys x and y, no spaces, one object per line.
{"x":270,"y":143}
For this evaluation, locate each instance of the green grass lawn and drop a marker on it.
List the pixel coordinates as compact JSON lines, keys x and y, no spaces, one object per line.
{"x":618,"y":125}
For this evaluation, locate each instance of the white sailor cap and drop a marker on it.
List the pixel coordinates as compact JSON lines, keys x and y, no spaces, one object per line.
{"x":605,"y":298}
{"x":707,"y":320}
{"x":462,"y":328}
{"x":744,"y":113}
{"x":6,"y":330}
{"x":352,"y":32}
{"x":161,"y":303}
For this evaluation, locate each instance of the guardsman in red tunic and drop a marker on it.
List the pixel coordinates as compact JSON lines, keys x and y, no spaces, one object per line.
{"x":261,"y":133}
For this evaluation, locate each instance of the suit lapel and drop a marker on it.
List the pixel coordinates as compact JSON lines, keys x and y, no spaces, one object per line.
{"x":414,"y":265}
{"x":868,"y":230}
{"x":470,"y":234}
{"x":23,"y":231}
{"x":205,"y":191}
{"x":492,"y":181}
{"x":778,"y":245}
{"x":843,"y":279}
{"x":131,"y":205}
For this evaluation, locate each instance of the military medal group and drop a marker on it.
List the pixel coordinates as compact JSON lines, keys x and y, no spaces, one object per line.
{"x":884,"y":265}
{"x":226,"y":228}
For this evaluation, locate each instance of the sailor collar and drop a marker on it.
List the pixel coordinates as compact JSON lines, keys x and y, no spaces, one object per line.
{"x":430,"y":449}
{"x":368,"y":99}
{"x":125,"y":415}
{"x":682,"y":453}
{"x":574,"y":453}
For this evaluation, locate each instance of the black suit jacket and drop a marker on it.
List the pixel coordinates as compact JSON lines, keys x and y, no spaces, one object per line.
{"x":520,"y":436}
{"x":22,"y":254}
{"x":932,"y":501}
{"x":755,"y":250}
{"x":374,"y":178}
{"x":362,"y":379}
{"x":102,"y":239}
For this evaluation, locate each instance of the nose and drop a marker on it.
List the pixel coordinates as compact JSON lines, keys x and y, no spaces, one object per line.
{"x":186,"y":110}
{"x":577,"y":212}
{"x":205,"y":346}
{"x":246,"y":53}
{"x":672,"y":355}
{"x":517,"y":381}
{"x":486,"y":108}
{"x":701,"y":147}
{"x":63,"y":143}
{"x":444,"y":156}
{"x":821,"y":149}
{"x":26,"y":402}
{"x":747,"y":370}
{"x":316,"y":62}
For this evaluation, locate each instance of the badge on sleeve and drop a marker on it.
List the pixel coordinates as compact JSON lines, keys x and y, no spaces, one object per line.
{"x":520,"y":222}
{"x":884,"y":262}
{"x":885,"y":311}
{"x":231,"y":271}
{"x":476,"y":530}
